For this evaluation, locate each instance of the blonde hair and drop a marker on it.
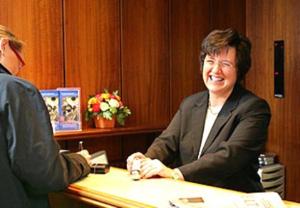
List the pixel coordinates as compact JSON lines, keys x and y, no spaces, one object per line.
{"x":14,"y":41}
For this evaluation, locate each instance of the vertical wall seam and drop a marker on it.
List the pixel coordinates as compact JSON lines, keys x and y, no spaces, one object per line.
{"x":121,"y":44}
{"x":63,"y":41}
{"x":170,"y":60}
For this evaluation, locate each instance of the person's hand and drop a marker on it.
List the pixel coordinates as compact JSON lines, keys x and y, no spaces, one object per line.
{"x":150,"y":168}
{"x":84,"y":153}
{"x":134,"y":156}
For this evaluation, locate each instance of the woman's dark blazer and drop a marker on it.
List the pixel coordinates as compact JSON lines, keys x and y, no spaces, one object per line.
{"x":229,"y":158}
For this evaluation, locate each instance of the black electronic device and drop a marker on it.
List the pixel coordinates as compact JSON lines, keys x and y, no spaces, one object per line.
{"x":279,"y":68}
{"x":266,"y":159}
{"x":99,"y":162}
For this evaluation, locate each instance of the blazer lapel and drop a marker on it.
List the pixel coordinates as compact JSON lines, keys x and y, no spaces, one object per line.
{"x":222,"y":118}
{"x":198,"y":120}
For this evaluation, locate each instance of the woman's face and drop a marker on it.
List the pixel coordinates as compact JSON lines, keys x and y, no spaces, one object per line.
{"x":10,"y":58}
{"x":220,"y":72}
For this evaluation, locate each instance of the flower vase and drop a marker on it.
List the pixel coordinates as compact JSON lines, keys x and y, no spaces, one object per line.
{"x":101,"y":122}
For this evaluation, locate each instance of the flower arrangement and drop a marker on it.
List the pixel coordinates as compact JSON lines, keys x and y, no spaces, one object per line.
{"x":107,"y":105}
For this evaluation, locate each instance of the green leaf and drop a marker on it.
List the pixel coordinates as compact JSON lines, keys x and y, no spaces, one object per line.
{"x":113,"y":110}
{"x":107,"y":115}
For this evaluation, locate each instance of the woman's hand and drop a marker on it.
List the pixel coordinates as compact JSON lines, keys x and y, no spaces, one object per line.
{"x":150,"y":168}
{"x":134,"y":156}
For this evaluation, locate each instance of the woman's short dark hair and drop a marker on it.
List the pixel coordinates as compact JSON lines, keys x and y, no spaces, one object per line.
{"x":220,"y":39}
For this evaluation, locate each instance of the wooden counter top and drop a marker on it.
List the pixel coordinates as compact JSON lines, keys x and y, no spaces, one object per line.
{"x":117,"y":189}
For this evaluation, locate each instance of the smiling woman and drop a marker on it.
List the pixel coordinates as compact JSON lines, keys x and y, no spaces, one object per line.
{"x":225,"y":60}
{"x":216,"y":136}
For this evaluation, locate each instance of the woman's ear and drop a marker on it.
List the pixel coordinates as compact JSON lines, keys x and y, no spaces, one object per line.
{"x":3,"y":42}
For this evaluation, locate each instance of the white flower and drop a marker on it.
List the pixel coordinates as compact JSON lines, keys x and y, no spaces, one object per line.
{"x":114,"y":103}
{"x":104,"y":106}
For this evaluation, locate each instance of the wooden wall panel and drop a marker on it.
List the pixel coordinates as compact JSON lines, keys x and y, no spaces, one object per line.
{"x":112,"y":146}
{"x":145,"y":60}
{"x":229,"y":13}
{"x":137,"y":143}
{"x":188,"y":25}
{"x":92,"y":46}
{"x":38,"y":24}
{"x":259,"y":30}
{"x":268,"y":21}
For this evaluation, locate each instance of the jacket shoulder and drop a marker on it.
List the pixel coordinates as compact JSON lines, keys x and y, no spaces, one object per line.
{"x":15,"y":89}
{"x":250,"y":97}
{"x":12,"y":83}
{"x":246,"y":102}
{"x":194,"y":99}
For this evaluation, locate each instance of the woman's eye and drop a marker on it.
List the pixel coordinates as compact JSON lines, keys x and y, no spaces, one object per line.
{"x":226,"y":64}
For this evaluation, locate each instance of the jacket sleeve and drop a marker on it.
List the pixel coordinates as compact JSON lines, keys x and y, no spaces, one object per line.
{"x":165,"y":146}
{"x":33,"y":153}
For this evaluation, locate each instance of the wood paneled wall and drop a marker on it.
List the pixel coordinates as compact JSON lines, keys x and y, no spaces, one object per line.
{"x":92,"y":46}
{"x":268,"y":21}
{"x":229,"y":13}
{"x":147,"y":49}
{"x":145,"y":60}
{"x":189,"y":24}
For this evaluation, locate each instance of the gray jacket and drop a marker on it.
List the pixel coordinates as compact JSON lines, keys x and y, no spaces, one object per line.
{"x":30,"y":162}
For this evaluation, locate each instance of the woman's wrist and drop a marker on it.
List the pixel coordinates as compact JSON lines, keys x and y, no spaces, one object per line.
{"x":177,"y":175}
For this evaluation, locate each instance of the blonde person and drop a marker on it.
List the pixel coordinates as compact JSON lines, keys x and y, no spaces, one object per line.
{"x":216,"y":136}
{"x":31,"y":165}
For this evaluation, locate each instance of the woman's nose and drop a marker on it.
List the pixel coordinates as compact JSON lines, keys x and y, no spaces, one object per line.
{"x":216,"y":68}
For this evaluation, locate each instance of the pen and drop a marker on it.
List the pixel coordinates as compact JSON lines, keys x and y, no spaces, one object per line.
{"x":80,"y":145}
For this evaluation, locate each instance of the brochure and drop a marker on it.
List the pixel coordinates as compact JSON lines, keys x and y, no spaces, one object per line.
{"x":63,"y":105}
{"x":251,"y":200}
{"x":69,"y":109}
{"x":51,"y":98}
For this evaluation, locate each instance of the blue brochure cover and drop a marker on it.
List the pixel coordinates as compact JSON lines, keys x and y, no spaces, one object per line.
{"x":69,"y":109}
{"x":51,"y":98}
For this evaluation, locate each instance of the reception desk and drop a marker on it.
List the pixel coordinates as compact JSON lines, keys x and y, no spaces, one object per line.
{"x":117,"y":189}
